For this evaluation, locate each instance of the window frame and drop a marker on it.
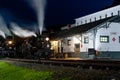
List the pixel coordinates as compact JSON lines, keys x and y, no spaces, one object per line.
{"x":105,"y":40}
{"x":119,"y":39}
{"x":86,"y":40}
{"x":69,"y":42}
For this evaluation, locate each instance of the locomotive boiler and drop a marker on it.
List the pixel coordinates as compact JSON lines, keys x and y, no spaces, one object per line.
{"x":31,"y":47}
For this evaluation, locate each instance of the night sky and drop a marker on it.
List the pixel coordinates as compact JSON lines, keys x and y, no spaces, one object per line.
{"x":57,"y":12}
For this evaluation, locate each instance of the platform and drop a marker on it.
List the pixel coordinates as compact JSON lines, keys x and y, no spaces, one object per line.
{"x":66,"y":59}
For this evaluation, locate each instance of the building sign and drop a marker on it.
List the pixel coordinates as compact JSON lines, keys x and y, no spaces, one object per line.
{"x":113,"y":39}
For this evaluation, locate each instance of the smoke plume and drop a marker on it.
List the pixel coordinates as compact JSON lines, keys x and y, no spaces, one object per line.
{"x":2,"y":34}
{"x":3,"y":28}
{"x":39,"y":6}
{"x":21,"y":32}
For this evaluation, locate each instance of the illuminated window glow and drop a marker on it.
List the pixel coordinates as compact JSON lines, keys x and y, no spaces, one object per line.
{"x":86,"y":40}
{"x":104,"y":39}
{"x":68,"y":42}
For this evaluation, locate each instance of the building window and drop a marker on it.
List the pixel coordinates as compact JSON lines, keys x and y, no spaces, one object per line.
{"x":112,"y":14}
{"x":105,"y":15}
{"x":77,"y":23}
{"x":95,"y":18}
{"x":90,"y":20}
{"x":85,"y":21}
{"x":100,"y":17}
{"x":86,"y":40}
{"x":68,"y":42}
{"x":118,"y":12}
{"x":81,"y":22}
{"x":104,"y":39}
{"x":119,"y":39}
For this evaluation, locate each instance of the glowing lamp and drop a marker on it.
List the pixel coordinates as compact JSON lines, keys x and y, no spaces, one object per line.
{"x":47,"y":39}
{"x":9,"y":42}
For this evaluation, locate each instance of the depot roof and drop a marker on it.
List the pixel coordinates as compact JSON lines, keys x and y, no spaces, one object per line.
{"x":81,"y":28}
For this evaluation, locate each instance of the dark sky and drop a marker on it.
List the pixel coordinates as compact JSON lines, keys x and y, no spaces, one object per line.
{"x":58,"y":12}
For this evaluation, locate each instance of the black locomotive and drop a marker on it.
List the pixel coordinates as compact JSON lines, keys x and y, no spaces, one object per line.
{"x":31,"y":47}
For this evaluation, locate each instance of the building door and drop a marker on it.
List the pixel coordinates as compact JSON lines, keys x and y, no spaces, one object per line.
{"x":77,"y":49}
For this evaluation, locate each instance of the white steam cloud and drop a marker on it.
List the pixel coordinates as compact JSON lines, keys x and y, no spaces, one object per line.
{"x":39,"y":6}
{"x":2,"y":34}
{"x":4,"y":31}
{"x":21,"y":32}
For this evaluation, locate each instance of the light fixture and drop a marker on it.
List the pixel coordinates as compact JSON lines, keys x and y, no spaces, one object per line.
{"x":10,"y":42}
{"x":47,"y":38}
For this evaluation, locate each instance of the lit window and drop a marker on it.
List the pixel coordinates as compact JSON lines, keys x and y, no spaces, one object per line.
{"x":86,"y":40}
{"x":68,"y":42}
{"x":104,"y":39}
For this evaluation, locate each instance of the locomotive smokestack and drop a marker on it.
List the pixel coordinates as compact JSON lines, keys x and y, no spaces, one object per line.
{"x":39,"y":6}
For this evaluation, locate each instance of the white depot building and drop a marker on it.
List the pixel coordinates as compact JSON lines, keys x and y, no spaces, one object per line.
{"x":93,"y":36}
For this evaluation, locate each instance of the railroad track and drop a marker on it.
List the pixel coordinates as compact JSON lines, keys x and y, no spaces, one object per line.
{"x":91,"y":64}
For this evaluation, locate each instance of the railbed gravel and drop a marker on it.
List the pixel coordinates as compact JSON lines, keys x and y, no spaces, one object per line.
{"x":77,"y":73}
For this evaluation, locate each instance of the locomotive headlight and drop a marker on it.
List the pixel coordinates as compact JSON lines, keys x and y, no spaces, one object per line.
{"x":47,"y":38}
{"x":10,"y":42}
{"x":48,"y":46}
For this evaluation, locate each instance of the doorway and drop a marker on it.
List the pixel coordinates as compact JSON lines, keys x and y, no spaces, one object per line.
{"x":77,"y":50}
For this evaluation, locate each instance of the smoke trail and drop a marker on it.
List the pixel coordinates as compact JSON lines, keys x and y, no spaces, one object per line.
{"x":21,"y":32}
{"x":3,"y":28}
{"x":2,"y":34}
{"x":39,"y":6}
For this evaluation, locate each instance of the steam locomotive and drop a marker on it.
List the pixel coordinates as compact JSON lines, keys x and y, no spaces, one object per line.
{"x":30,"y":47}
